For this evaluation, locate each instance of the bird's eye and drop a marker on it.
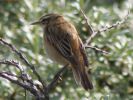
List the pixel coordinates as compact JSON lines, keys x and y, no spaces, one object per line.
{"x":45,"y":19}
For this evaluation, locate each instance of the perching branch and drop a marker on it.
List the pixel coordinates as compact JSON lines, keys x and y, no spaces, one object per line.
{"x":56,"y":78}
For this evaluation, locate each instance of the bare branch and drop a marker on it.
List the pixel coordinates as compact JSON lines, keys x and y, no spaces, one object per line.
{"x":89,"y":28}
{"x":97,"y":49}
{"x":23,"y":59}
{"x":21,"y":84}
{"x":13,"y":63}
{"x":23,"y":80}
{"x":118,"y":23}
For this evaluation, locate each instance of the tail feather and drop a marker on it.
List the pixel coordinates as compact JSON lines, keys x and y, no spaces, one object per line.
{"x":77,"y":77}
{"x":85,"y":81}
{"x":81,"y":78}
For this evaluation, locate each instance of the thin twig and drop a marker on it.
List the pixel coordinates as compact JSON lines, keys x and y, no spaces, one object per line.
{"x":89,"y":28}
{"x":9,"y":74}
{"x":13,"y":63}
{"x":118,"y":23}
{"x":97,"y":49}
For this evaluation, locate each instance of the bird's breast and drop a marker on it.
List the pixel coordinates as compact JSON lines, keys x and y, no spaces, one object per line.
{"x":53,"y":54}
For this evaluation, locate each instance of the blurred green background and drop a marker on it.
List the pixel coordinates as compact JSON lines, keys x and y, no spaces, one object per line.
{"x":112,"y":74}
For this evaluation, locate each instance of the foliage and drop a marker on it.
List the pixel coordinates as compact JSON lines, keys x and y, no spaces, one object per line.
{"x":112,"y":74}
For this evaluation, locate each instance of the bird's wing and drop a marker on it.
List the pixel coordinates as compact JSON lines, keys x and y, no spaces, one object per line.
{"x":67,"y":42}
{"x":61,"y":42}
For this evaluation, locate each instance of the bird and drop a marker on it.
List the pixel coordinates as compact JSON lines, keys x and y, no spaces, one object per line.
{"x":64,"y":46}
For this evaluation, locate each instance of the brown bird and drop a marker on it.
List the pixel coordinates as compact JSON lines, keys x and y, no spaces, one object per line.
{"x":64,"y":46}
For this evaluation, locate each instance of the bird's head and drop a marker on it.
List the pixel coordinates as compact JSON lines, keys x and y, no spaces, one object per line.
{"x":46,"y":19}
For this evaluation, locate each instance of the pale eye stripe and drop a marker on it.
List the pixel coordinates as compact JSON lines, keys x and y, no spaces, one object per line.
{"x":45,"y":17}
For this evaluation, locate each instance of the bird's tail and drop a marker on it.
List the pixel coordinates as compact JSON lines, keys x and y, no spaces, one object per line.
{"x":81,"y":77}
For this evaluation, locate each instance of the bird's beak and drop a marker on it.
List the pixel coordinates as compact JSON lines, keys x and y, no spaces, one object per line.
{"x":35,"y":23}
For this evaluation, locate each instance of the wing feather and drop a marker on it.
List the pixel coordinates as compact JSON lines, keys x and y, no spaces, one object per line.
{"x":62,"y":44}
